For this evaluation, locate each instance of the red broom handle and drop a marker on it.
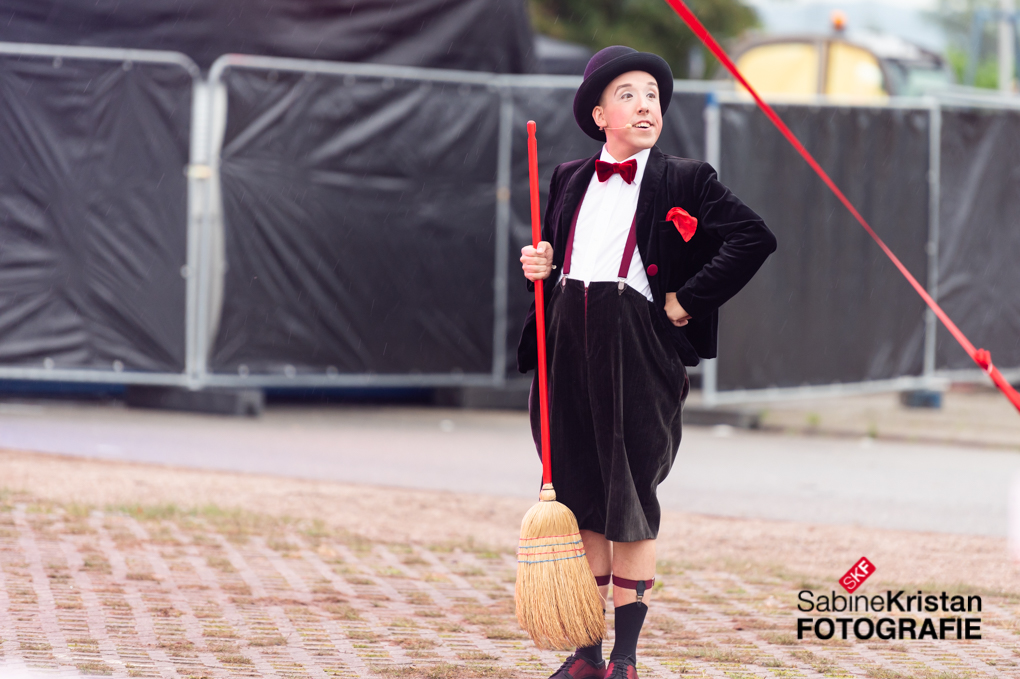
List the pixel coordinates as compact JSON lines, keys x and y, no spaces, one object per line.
{"x":979,"y":356}
{"x":536,"y":238}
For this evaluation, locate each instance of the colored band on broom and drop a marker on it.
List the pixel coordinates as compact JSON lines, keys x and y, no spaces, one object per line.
{"x":574,"y":551}
{"x":981,"y":357}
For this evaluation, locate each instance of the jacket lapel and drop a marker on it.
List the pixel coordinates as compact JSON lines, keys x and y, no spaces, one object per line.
{"x":577,"y":185}
{"x":654,"y":168}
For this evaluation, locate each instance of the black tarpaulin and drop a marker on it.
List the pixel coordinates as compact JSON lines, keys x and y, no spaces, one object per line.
{"x":477,"y":35}
{"x":359,"y":220}
{"x":828,"y":306}
{"x":93,"y":204}
{"x":979,"y":236}
{"x":560,"y":140}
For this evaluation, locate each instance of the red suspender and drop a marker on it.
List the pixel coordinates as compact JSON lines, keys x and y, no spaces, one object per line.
{"x":628,"y":250}
{"x":570,"y":238}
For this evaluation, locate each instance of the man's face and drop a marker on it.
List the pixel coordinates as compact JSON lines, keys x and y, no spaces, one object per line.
{"x":631,"y":99}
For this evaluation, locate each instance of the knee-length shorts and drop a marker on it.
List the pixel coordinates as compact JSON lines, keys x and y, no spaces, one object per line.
{"x":616,"y":394}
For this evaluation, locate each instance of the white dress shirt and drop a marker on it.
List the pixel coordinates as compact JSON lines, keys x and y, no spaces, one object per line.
{"x":603,"y":225}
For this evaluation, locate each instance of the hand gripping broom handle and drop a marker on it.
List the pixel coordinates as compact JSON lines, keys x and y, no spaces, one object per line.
{"x":536,"y":238}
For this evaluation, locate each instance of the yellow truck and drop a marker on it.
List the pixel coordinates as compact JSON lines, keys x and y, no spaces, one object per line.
{"x":853,"y":66}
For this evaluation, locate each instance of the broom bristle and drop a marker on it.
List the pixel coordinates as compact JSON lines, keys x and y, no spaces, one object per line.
{"x":558,"y":602}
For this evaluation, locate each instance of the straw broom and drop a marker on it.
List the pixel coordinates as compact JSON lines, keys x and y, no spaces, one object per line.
{"x":558,"y":602}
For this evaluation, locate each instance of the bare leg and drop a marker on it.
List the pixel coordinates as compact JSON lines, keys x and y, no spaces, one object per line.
{"x":633,"y":561}
{"x":600,"y":557}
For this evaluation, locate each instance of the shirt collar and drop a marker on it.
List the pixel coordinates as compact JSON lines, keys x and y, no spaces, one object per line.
{"x":641,"y":157}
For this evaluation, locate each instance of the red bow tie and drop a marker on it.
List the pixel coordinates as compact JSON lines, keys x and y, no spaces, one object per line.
{"x":626,"y":170}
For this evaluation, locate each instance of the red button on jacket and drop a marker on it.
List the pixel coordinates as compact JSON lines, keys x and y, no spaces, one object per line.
{"x":652,"y":269}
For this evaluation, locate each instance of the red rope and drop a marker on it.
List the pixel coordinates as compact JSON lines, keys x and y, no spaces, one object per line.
{"x":979,"y":356}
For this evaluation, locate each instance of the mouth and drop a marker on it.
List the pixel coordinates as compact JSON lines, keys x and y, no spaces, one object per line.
{"x":642,"y":125}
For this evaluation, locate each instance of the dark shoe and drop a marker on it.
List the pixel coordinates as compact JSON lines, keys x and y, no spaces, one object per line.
{"x":621,"y":669}
{"x":575,"y":667}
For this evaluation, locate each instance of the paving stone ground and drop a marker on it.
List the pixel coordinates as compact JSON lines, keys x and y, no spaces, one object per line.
{"x":150,"y":590}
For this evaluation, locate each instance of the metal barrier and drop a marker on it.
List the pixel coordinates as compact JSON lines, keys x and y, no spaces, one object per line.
{"x":932,"y":375}
{"x":210,"y":277}
{"x":204,"y":270}
{"x":48,"y":371}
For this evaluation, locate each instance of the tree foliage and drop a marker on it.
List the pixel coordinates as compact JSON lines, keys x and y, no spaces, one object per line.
{"x":646,"y":25}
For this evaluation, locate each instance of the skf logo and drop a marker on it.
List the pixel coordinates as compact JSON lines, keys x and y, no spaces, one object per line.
{"x":857,"y":574}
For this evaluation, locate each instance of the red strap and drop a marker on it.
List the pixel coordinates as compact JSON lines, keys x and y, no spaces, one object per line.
{"x":632,"y":584}
{"x":570,"y":236}
{"x":710,"y":42}
{"x":602,"y":580}
{"x":628,"y":250}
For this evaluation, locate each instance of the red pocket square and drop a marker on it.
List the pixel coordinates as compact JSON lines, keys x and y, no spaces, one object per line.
{"x":685,"y":224}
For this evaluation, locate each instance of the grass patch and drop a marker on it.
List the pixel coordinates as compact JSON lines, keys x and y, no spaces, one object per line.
{"x":142,"y":576}
{"x":416,"y":643}
{"x":35,"y":646}
{"x":779,"y":638}
{"x":414,"y":560}
{"x":235,"y":659}
{"x":221,"y":564}
{"x":500,"y":633}
{"x":219,"y":633}
{"x":96,"y":563}
{"x":95,"y":668}
{"x":343,"y":611}
{"x":430,"y":613}
{"x":177,"y":647}
{"x":165,"y":612}
{"x":444,"y":670}
{"x":161,"y":512}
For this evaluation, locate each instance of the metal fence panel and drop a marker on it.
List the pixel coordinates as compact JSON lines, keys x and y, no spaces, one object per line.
{"x":979,"y":244}
{"x":359,"y":224}
{"x":828,"y":306}
{"x":93,"y":220}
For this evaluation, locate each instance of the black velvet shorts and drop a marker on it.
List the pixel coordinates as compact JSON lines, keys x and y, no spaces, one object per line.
{"x":616,"y":393}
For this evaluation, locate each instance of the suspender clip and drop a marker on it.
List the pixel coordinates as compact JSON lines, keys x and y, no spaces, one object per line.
{"x":620,"y":286}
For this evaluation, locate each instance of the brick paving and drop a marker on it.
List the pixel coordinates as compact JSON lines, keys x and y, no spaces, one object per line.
{"x":153,"y":591}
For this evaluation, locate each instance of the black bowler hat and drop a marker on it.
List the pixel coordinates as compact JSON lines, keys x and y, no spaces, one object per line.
{"x":606,"y":65}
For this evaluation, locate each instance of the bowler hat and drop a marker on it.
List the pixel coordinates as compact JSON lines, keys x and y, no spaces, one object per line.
{"x":606,"y":65}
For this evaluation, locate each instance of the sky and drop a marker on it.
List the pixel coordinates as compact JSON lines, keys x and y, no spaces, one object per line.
{"x":905,"y":18}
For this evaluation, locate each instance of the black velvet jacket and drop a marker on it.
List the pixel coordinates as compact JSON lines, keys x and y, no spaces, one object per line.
{"x":730,"y":245}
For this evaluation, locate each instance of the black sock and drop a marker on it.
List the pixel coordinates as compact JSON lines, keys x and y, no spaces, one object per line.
{"x":629,"y":620}
{"x":593,"y":653}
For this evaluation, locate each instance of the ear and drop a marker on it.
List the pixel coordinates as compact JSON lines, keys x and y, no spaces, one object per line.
{"x":599,"y":116}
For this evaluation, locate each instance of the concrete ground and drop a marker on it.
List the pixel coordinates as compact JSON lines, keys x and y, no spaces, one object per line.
{"x":136,"y":570}
{"x":319,"y":542}
{"x":844,"y":479}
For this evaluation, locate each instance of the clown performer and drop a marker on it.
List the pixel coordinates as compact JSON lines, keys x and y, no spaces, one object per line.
{"x":623,"y":321}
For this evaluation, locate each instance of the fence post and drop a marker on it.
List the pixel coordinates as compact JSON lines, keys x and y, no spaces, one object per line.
{"x":713,"y":154}
{"x":504,"y":158}
{"x":934,"y":200}
{"x":198,"y":177}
